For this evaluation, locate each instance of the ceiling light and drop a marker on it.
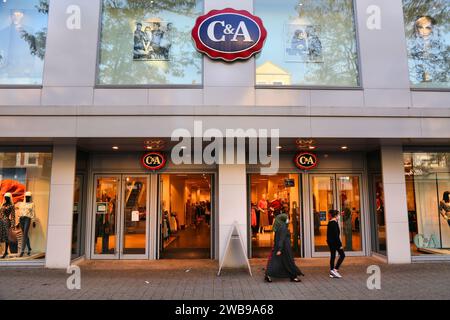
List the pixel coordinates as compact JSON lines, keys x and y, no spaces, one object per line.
{"x":279,"y":147}
{"x":115,"y":148}
{"x":149,"y":147}
{"x":344,"y":147}
{"x":312,"y":147}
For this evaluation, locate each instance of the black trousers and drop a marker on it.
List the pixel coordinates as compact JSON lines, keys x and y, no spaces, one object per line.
{"x":333,"y":258}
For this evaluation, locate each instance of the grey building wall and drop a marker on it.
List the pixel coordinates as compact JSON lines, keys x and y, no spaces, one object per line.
{"x":70,"y":105}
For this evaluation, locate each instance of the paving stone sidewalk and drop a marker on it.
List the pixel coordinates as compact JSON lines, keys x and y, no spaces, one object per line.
{"x":197,"y":280}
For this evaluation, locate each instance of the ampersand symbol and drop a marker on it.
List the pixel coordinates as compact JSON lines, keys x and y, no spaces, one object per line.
{"x":228,"y":29}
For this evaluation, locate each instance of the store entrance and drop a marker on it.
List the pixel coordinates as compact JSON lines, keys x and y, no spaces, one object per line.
{"x":185,"y":216}
{"x":340,"y":192}
{"x":120,"y":217}
{"x":270,"y":195}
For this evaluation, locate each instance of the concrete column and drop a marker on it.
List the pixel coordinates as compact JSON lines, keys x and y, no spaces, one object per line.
{"x":59,"y":238}
{"x":397,"y":232}
{"x":232,"y":203}
{"x":383,"y":53}
{"x":225,"y":83}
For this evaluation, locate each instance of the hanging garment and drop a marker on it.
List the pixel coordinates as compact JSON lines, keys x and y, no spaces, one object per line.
{"x":173,"y":224}
{"x":253,"y":217}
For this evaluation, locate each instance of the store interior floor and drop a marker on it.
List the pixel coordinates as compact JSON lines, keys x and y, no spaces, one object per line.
{"x":190,"y":243}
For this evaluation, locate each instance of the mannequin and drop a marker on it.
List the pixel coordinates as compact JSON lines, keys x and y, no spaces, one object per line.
{"x":27,"y":215}
{"x":275,"y":208}
{"x":262,"y":208}
{"x":7,"y":220}
{"x":444,"y":207}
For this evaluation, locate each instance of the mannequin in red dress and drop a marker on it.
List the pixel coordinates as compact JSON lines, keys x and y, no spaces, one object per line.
{"x":274,"y":208}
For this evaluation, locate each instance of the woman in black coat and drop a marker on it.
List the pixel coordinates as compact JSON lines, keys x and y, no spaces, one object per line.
{"x":281,"y":262}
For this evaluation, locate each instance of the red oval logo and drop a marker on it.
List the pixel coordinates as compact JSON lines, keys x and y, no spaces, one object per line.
{"x":229,"y":34}
{"x":153,"y":161}
{"x":306,"y":161}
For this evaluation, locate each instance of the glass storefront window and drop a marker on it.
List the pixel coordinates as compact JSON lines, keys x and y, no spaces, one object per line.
{"x":309,"y":43}
{"x":23,"y":34}
{"x":427,"y":25}
{"x":428,"y":199}
{"x":379,"y":221}
{"x":24,"y":194}
{"x":271,"y":195}
{"x":149,"y":43}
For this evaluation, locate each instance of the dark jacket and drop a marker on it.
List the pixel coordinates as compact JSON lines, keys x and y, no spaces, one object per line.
{"x":333,"y":235}
{"x":282,"y":266}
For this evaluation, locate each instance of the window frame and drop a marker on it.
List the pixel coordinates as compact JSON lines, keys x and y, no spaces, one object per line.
{"x":359,"y":87}
{"x":97,"y":85}
{"x":33,"y":86}
{"x":411,"y":85}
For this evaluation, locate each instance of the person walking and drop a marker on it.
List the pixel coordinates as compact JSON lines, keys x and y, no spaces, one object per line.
{"x":335,"y":244}
{"x":281,"y":262}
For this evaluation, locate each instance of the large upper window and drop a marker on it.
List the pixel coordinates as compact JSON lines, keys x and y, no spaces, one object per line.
{"x":23,"y":33}
{"x":149,"y":43}
{"x":309,"y":43}
{"x":427,"y":25}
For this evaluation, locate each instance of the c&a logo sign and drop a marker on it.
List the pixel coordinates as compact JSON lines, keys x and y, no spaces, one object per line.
{"x":153,"y":161}
{"x":306,"y":161}
{"x":229,"y":34}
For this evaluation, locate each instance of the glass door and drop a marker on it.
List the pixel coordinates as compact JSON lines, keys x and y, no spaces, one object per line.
{"x":121,"y":217}
{"x":107,"y":195}
{"x":340,"y":192}
{"x":349,"y":193}
{"x":134,"y":217}
{"x":322,"y":200}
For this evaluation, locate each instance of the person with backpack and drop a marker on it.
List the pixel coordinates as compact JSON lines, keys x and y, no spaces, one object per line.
{"x":335,"y":244}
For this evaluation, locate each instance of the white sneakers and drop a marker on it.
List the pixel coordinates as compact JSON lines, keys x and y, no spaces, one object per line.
{"x":335,"y":274}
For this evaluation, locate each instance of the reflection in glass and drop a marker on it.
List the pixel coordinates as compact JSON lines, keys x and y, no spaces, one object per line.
{"x":428,"y":193}
{"x":149,"y":42}
{"x":271,"y":195}
{"x":23,"y":34}
{"x":350,"y":204}
{"x":76,"y":221}
{"x":135,"y":215}
{"x":322,"y":202}
{"x":308,"y":43}
{"x":380,"y":220}
{"x":18,"y":176}
{"x":427,"y":26}
{"x":105,"y":215}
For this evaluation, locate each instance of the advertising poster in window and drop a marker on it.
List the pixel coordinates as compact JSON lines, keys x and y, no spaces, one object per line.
{"x":428,"y":36}
{"x":302,"y":43}
{"x":152,"y":41}
{"x":428,"y":51}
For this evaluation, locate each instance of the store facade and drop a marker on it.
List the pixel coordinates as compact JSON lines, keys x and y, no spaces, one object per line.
{"x":88,"y":88}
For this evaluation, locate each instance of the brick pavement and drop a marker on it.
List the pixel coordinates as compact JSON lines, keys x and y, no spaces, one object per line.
{"x":168,"y":280}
